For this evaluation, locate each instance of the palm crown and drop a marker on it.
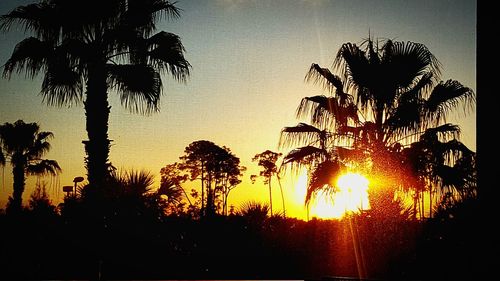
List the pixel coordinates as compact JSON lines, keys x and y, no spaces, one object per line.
{"x":86,"y":48}
{"x":24,"y":145}
{"x":384,"y":99}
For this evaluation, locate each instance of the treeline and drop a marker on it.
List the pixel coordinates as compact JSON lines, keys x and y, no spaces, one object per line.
{"x":132,"y":241}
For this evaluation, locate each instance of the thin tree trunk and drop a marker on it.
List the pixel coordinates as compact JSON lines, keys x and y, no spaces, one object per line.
{"x":282,"y":197}
{"x":97,"y":111}
{"x":430,"y":201}
{"x":422,"y":208}
{"x":210,"y":200}
{"x":225,"y":203}
{"x":419,"y":201}
{"x":202,"y":189}
{"x":17,"y":195}
{"x":270,"y":198}
{"x":415,"y":202}
{"x":186,"y":195}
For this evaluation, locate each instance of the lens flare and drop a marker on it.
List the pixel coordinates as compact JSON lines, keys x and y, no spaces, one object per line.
{"x":351,"y":196}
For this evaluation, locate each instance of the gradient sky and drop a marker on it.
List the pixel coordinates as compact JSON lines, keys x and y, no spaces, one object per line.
{"x":249,"y":60}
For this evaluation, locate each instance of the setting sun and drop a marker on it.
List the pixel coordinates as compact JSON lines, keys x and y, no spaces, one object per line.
{"x":352,"y":196}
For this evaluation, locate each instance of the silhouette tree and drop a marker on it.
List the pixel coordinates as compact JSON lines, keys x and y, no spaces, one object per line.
{"x":218,"y":169}
{"x":98,"y":46}
{"x":267,"y":160}
{"x":385,"y":97}
{"x":227,"y":174}
{"x":24,"y":145}
{"x":195,"y":161}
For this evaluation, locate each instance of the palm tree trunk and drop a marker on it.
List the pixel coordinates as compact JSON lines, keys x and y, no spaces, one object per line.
{"x":97,"y":112}
{"x":17,"y":195}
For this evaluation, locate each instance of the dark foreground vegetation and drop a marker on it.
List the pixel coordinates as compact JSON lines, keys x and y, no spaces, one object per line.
{"x":134,"y":242}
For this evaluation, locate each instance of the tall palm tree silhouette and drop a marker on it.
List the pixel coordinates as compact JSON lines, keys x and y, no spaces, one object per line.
{"x":24,"y":145}
{"x":86,"y":49}
{"x":386,"y":96}
{"x":439,"y":160}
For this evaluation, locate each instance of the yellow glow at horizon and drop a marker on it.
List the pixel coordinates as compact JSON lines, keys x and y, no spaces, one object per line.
{"x":352,"y":196}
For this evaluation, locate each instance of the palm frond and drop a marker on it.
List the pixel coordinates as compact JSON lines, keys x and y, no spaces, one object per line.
{"x":329,"y":81}
{"x":445,"y":97}
{"x":40,"y":18}
{"x":139,"y":181}
{"x":323,"y":179}
{"x":167,"y":53}
{"x":350,"y":130}
{"x":454,"y":150}
{"x":306,"y":156}
{"x":367,"y":134}
{"x":444,"y":131}
{"x":406,"y":61}
{"x":139,"y":86}
{"x":30,"y":55}
{"x":353,"y":64}
{"x":417,"y":91}
{"x":61,"y":85}
{"x":133,"y":182}
{"x":350,"y":154}
{"x":254,"y":210}
{"x":301,"y":134}
{"x":122,"y":41}
{"x":406,"y":118}
{"x":302,"y":154}
{"x":327,"y":111}
{"x":44,"y":167}
{"x":450,"y":177}
{"x":40,"y":145}
{"x":142,"y":14}
{"x":78,"y":19}
{"x":171,"y":189}
{"x":75,"y":53}
{"x":166,"y":8}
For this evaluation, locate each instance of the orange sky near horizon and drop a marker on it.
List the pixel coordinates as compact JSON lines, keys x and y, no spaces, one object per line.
{"x":249,"y":60}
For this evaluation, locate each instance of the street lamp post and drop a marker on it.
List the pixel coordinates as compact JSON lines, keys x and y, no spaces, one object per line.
{"x":77,"y":180}
{"x":67,"y":189}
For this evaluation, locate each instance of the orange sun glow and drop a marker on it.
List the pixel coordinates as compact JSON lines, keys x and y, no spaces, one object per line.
{"x":352,"y":196}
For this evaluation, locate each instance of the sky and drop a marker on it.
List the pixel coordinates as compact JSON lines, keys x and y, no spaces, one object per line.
{"x":249,"y":59}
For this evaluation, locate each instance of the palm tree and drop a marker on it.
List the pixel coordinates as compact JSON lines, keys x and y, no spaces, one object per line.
{"x":439,"y":160}
{"x":23,"y":145}
{"x":384,"y":98}
{"x":85,"y":49}
{"x":255,"y":212}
